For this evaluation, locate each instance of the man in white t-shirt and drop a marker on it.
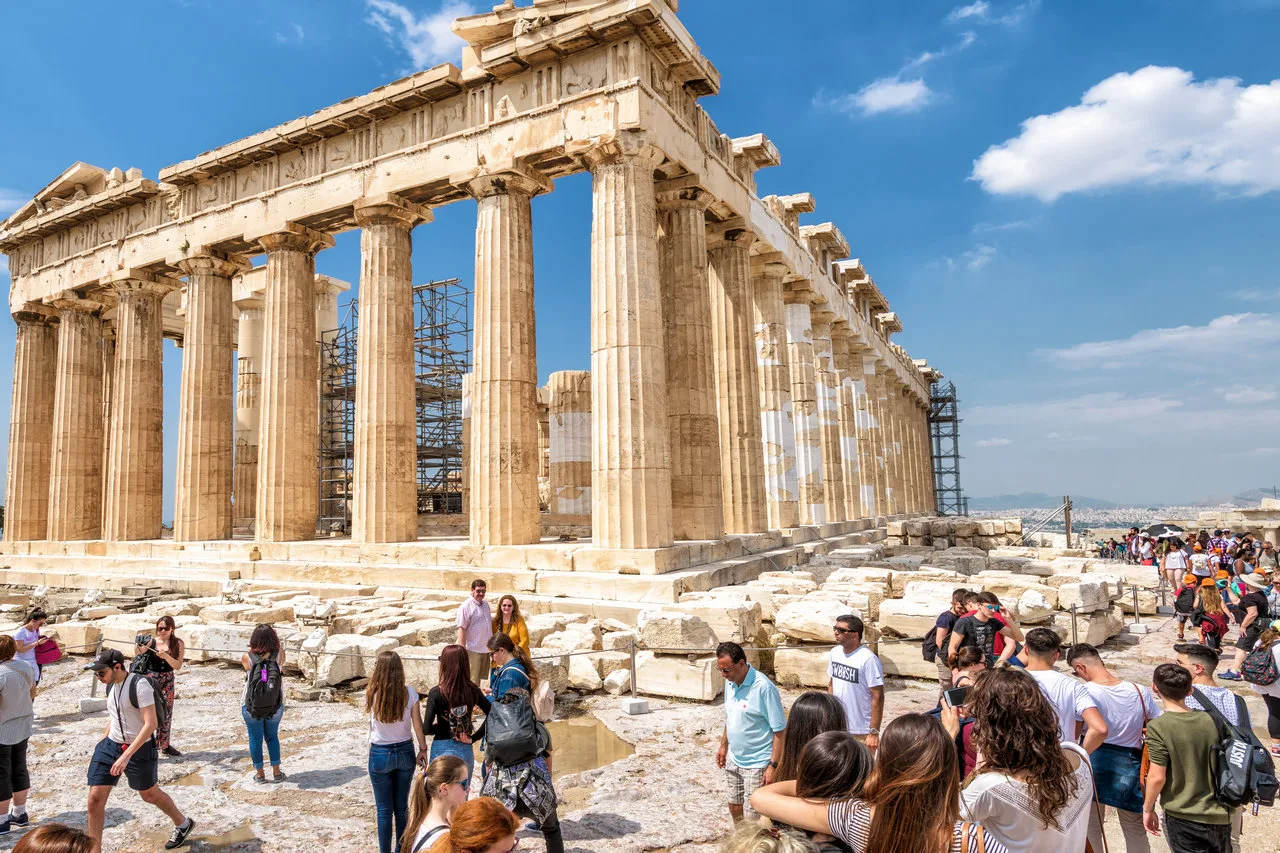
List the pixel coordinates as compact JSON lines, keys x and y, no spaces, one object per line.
{"x":475,"y":627}
{"x":128,"y":749}
{"x":1068,"y":696}
{"x":857,"y":680}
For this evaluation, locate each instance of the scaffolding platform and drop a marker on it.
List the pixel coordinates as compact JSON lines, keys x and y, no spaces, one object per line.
{"x":944,"y":429}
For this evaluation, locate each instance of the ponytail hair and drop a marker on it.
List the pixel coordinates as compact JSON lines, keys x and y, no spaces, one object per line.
{"x":502,"y":642}
{"x":477,"y":825}
{"x":444,"y":770}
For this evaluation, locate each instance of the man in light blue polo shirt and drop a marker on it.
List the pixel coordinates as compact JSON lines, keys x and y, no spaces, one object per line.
{"x":754,"y":723}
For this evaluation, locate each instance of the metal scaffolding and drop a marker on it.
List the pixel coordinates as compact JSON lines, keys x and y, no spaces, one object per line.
{"x":442,"y":356}
{"x":944,"y":428}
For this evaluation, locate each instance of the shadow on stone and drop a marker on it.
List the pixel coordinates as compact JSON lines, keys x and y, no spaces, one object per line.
{"x":595,"y":826}
{"x":335,"y":777}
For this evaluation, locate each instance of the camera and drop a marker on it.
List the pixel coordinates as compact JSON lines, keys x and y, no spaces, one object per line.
{"x":144,"y":640}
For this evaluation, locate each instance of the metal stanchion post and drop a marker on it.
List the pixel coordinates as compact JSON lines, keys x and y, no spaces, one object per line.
{"x":631,"y":648}
{"x":93,"y":676}
{"x":1075,"y":633}
{"x":1137,"y":617}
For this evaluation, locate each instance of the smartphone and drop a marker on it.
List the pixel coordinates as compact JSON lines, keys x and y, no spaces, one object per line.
{"x":955,"y":696}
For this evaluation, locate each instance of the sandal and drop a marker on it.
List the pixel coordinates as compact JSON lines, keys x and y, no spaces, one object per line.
{"x":277,"y":778}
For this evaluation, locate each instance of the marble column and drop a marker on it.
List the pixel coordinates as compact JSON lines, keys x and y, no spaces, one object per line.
{"x":900,"y":454}
{"x":846,"y":397}
{"x":631,"y":466}
{"x":804,"y":410}
{"x":828,"y":418}
{"x":465,"y":473}
{"x":384,"y":484}
{"x":248,"y":410}
{"x":504,"y":402}
{"x":697,"y":509}
{"x":866,"y":422}
{"x":206,"y":409}
{"x":870,"y":452}
{"x":135,"y":471}
{"x":570,"y":452}
{"x":733,"y":349}
{"x":881,"y":436}
{"x":75,"y":477}
{"x":108,"y":380}
{"x":35,"y":361}
{"x":288,"y":431}
{"x":777,"y":431}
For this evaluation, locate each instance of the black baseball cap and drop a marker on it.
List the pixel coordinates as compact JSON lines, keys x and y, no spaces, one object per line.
{"x":106,"y":660}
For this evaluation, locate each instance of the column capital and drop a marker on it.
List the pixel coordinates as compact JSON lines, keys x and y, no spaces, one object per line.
{"x":508,"y":179}
{"x":770,"y":265}
{"x":34,"y":312}
{"x":627,"y":146}
{"x":294,"y":238}
{"x":684,"y":191}
{"x":730,"y":233}
{"x":69,"y":300}
{"x":215,"y":262}
{"x":821,"y":313}
{"x":138,"y":281}
{"x":390,"y":209}
{"x":798,"y":293}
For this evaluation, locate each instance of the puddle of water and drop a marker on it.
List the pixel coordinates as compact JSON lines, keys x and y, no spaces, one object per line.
{"x":584,"y":744}
{"x":240,"y":835}
{"x":195,"y":780}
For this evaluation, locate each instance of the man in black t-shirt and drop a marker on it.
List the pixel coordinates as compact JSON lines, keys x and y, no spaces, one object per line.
{"x":1254,"y":613}
{"x":980,"y":628}
{"x":942,"y":634}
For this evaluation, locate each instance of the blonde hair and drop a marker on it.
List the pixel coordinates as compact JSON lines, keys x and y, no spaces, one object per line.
{"x":1211,"y":600}
{"x":444,"y":770}
{"x":757,"y":838}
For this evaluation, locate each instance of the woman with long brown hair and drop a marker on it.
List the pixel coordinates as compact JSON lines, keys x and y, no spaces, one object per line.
{"x":437,"y":793}
{"x":1030,"y":791}
{"x":394,"y":724}
{"x":909,"y":803}
{"x":482,"y":825}
{"x":265,"y":657}
{"x":811,"y":714}
{"x":54,"y":838}
{"x":450,"y":706}
{"x":164,"y":656}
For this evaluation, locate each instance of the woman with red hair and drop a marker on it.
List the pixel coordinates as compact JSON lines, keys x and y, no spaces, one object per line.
{"x":482,"y":825}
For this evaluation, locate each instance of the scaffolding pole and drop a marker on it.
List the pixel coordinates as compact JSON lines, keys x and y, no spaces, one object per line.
{"x":944,"y":428}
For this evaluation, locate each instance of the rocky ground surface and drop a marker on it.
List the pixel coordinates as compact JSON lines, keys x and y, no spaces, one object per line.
{"x":667,"y":796}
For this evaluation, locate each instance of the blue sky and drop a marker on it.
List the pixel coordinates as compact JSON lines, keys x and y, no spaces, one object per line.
{"x":1071,"y":205}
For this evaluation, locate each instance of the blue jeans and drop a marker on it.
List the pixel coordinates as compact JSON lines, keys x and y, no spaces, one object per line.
{"x":465,"y":751}
{"x":391,"y":769}
{"x":260,"y":730}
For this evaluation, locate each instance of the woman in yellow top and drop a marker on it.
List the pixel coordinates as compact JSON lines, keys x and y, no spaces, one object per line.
{"x":509,"y":621}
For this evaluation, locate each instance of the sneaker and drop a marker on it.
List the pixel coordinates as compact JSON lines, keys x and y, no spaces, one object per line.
{"x":172,"y":752}
{"x":1228,"y":675}
{"x":19,"y":818}
{"x":179,"y":835}
{"x":4,"y":826}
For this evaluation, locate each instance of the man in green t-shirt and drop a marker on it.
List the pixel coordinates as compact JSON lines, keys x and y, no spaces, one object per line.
{"x":1181,"y":746}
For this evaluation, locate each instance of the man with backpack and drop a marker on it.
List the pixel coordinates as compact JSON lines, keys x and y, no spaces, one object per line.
{"x":934,"y":647}
{"x":128,"y":748}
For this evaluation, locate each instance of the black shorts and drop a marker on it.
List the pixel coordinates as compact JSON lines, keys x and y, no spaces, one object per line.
{"x":1248,"y":641}
{"x":143,"y":769}
{"x":13,"y":770}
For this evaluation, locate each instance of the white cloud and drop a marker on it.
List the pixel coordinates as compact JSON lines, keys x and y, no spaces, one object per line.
{"x":887,"y":95}
{"x":1231,"y":335}
{"x":293,"y":34}
{"x":429,"y":39}
{"x":1248,"y":396}
{"x":1014,"y":225}
{"x":1256,"y":295}
{"x":1105,"y":408}
{"x":966,"y":41}
{"x":974,"y":259}
{"x":1152,"y":127}
{"x":980,"y":10}
{"x":993,"y":442}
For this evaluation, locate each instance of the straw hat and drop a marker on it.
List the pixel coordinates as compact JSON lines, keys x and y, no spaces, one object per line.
{"x":1256,"y":580}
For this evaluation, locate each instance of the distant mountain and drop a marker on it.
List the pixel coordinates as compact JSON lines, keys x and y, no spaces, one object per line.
{"x":1035,"y":500}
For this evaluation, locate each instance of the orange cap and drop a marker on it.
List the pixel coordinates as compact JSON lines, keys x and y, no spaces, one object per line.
{"x":1198,"y":548}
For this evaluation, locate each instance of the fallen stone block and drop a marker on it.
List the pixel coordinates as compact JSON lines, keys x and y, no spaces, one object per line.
{"x":801,"y":666}
{"x":675,"y":630}
{"x":811,"y":618}
{"x":736,"y":621}
{"x":583,"y":674}
{"x":904,"y":659}
{"x":678,"y":677}
{"x":616,"y":640}
{"x":76,"y":638}
{"x":618,"y":682}
{"x":901,"y":617}
{"x":421,"y":666}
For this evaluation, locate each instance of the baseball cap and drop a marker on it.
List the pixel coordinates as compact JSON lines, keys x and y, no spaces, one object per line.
{"x":106,"y":660}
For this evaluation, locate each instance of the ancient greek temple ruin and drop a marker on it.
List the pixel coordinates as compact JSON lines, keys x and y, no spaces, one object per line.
{"x":744,"y":385}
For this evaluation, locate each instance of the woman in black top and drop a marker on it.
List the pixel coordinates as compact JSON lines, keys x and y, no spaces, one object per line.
{"x":1253,"y":613}
{"x":448,"y":708}
{"x":164,"y":657}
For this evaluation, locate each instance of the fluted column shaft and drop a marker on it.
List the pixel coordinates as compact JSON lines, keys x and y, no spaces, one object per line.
{"x":135,"y":469}
{"x":466,"y":445}
{"x":777,"y":432}
{"x":921,"y":457}
{"x":846,"y":396}
{"x":804,"y":413}
{"x":248,"y":411}
{"x":880,"y":438}
{"x":828,"y":420}
{"x":384,"y":466}
{"x":737,"y":381}
{"x":869,"y":449}
{"x":108,"y":381}
{"x":35,"y":361}
{"x":504,"y":401}
{"x":206,"y":408}
{"x":570,"y":439}
{"x":288,"y":432}
{"x":697,"y":509}
{"x":631,"y":467}
{"x":75,"y":479}
{"x":902,"y":484}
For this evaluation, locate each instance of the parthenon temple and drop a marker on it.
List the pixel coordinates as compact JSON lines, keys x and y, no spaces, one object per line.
{"x":744,"y":394}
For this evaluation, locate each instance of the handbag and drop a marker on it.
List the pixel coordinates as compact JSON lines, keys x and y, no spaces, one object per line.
{"x":1145,"y":766}
{"x":511,"y":736}
{"x":48,"y":651}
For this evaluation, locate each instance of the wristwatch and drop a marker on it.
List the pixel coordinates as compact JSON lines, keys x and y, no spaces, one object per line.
{"x":875,"y":732}
{"x":773,"y":765}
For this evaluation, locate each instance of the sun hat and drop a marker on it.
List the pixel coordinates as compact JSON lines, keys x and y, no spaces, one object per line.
{"x":1255,"y":580}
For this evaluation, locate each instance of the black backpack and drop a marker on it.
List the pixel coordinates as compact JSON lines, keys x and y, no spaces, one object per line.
{"x":1243,"y":770}
{"x":162,"y":712}
{"x":929,"y":646}
{"x":511,"y":731}
{"x":265,"y":692}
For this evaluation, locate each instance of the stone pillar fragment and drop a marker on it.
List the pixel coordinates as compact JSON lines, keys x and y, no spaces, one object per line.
{"x":35,"y":361}
{"x":288,"y":431}
{"x":570,"y":423}
{"x":777,"y":431}
{"x":846,"y":398}
{"x":828,"y":418}
{"x":631,"y":467}
{"x":804,"y":412}
{"x":385,"y":463}
{"x":737,"y":380}
{"x":697,"y":509}
{"x":248,"y":411}
{"x":504,"y":413}
{"x":135,"y":471}
{"x":206,"y":410}
{"x":75,"y":478}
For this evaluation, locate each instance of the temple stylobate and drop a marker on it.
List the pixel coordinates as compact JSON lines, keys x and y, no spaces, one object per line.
{"x":743,"y":377}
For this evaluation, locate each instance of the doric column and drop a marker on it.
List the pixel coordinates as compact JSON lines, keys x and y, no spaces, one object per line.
{"x":869,"y":458}
{"x":384,"y":483}
{"x":75,"y":478}
{"x":828,"y":417}
{"x":504,"y":404}
{"x":108,"y":380}
{"x":737,"y":379}
{"x":465,"y":473}
{"x":846,"y":396}
{"x":697,"y":510}
{"x":288,"y":431}
{"x":777,"y":431}
{"x":930,"y":480}
{"x":206,"y":409}
{"x":878,"y":401}
{"x":135,"y":468}
{"x":570,"y":423}
{"x":631,"y":467}
{"x":900,"y":457}
{"x":35,"y":360}
{"x":248,"y":410}
{"x":804,"y":410}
